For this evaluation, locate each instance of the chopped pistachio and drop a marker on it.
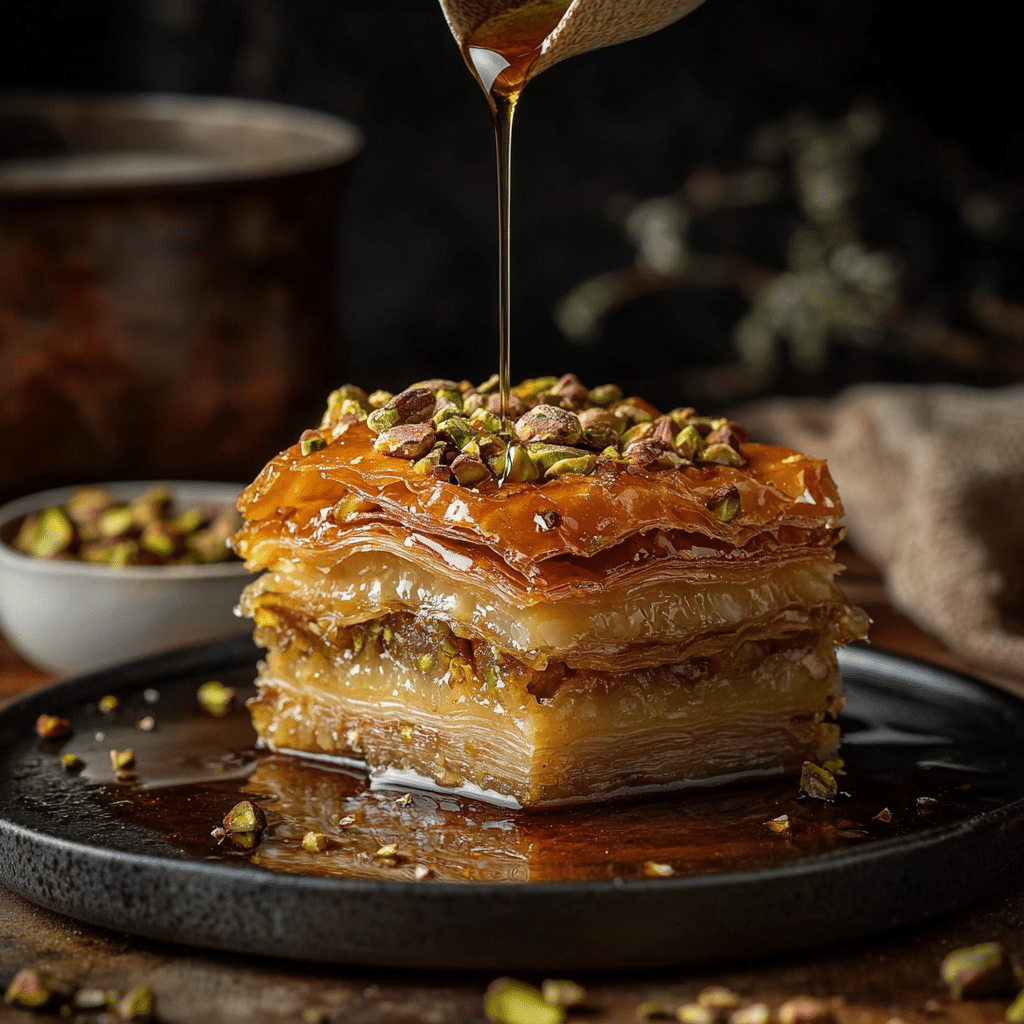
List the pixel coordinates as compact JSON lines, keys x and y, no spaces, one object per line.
{"x":189,"y":521}
{"x":72,"y":763}
{"x":486,"y":421}
{"x":349,"y":819}
{"x":755,"y":1013}
{"x":115,"y":522}
{"x":805,"y":1010}
{"x":46,"y":534}
{"x":382,"y":419}
{"x":637,"y":432}
{"x":379,"y":398}
{"x":460,"y":670}
{"x":583,"y":464}
{"x":778,"y":825}
{"x":695,"y":1013}
{"x":150,"y":506}
{"x":654,"y":869}
{"x":836,"y":767}
{"x":563,"y":992}
{"x":531,"y":388}
{"x":469,"y":470}
{"x":600,"y":428}
{"x":508,"y":1001}
{"x":550,"y":424}
{"x":245,"y":816}
{"x":311,"y":441}
{"x":522,"y":469}
{"x":426,"y":662}
{"x":109,"y":704}
{"x":816,"y":782}
{"x":722,"y":455}
{"x":926,"y":803}
{"x":122,"y":760}
{"x":489,"y":386}
{"x":215,"y":698}
{"x":29,"y":990}
{"x":314,"y":842}
{"x":421,"y":872}
{"x":52,"y":727}
{"x":689,"y":443}
{"x":413,"y":405}
{"x":981,"y":970}
{"x":404,"y":800}
{"x":406,"y":440}
{"x":1015,"y":1011}
{"x":158,"y":539}
{"x":883,"y":815}
{"x":137,"y":1004}
{"x":718,"y":997}
{"x":387,"y":850}
{"x":605,"y":394}
{"x":86,"y":504}
{"x":726,"y":503}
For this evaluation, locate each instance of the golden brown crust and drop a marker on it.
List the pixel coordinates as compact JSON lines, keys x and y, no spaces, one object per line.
{"x":787,"y":500}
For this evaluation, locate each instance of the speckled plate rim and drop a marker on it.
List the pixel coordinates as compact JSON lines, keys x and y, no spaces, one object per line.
{"x":542,"y":926}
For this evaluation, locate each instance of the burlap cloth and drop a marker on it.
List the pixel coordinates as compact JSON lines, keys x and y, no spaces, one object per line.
{"x":932,"y":478}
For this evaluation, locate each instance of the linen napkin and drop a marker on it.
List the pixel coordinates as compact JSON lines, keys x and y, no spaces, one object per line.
{"x":932,"y":479}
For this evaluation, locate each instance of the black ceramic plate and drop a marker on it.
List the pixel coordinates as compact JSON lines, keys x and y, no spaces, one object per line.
{"x":930,"y":817}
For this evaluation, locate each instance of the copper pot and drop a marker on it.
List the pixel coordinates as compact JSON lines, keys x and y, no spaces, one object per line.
{"x":165,"y":280}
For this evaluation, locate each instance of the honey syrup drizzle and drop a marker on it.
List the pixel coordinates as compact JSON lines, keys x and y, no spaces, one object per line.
{"x":501,"y":53}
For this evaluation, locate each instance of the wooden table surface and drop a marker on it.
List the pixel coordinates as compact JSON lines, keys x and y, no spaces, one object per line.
{"x":887,"y":979}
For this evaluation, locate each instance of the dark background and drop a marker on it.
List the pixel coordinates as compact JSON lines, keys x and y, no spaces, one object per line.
{"x":416,"y":280}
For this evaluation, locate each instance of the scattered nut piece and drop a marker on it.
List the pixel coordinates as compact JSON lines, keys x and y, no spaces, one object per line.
{"x":314,"y":842}
{"x":817,"y":783}
{"x":806,"y":1010}
{"x":52,"y":727}
{"x":93,"y":999}
{"x":756,"y":1013}
{"x":29,"y":990}
{"x":122,"y":760}
{"x":404,"y":800}
{"x":508,"y":1001}
{"x":147,"y":724}
{"x":311,"y":441}
{"x":653,"y":869}
{"x":1015,"y":1011}
{"x":109,"y":704}
{"x":422,"y":872}
{"x":215,"y":698}
{"x":778,"y":825}
{"x":718,"y":997}
{"x":981,"y":970}
{"x":349,"y":819}
{"x":72,"y":763}
{"x":314,"y":1017}
{"x":387,"y":850}
{"x":694,"y":1013}
{"x":883,"y":815}
{"x":137,"y":1004}
{"x":926,"y":803}
{"x":562,"y":992}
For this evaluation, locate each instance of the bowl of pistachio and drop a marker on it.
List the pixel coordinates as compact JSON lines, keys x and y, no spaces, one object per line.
{"x":92,"y":576}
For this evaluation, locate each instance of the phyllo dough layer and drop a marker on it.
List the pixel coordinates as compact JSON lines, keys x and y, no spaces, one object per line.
{"x":626,"y":625}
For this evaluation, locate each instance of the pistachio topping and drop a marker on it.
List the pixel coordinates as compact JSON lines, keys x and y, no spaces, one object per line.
{"x":806,"y":1010}
{"x":108,"y":705}
{"x":1015,"y":1011}
{"x":755,"y":1013}
{"x":137,"y":1004}
{"x":245,"y":816}
{"x":122,"y":761}
{"x":695,"y":1013}
{"x":460,"y":438}
{"x":71,"y":763}
{"x":311,"y":441}
{"x":981,"y":970}
{"x":884,"y":815}
{"x":508,"y":1001}
{"x":29,"y":990}
{"x":52,"y":727}
{"x":314,"y":842}
{"x":779,"y":825}
{"x":215,"y":698}
{"x":718,"y":997}
{"x":817,"y":782}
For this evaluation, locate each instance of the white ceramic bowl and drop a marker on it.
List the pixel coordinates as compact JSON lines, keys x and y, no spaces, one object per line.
{"x":69,"y":616}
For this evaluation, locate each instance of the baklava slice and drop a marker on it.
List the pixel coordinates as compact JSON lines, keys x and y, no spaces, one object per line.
{"x":597,"y":601}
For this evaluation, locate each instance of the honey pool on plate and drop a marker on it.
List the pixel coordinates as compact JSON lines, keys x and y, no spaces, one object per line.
{"x":192,"y":767}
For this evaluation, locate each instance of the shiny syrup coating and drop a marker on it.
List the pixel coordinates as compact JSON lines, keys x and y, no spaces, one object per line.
{"x":782,"y":493}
